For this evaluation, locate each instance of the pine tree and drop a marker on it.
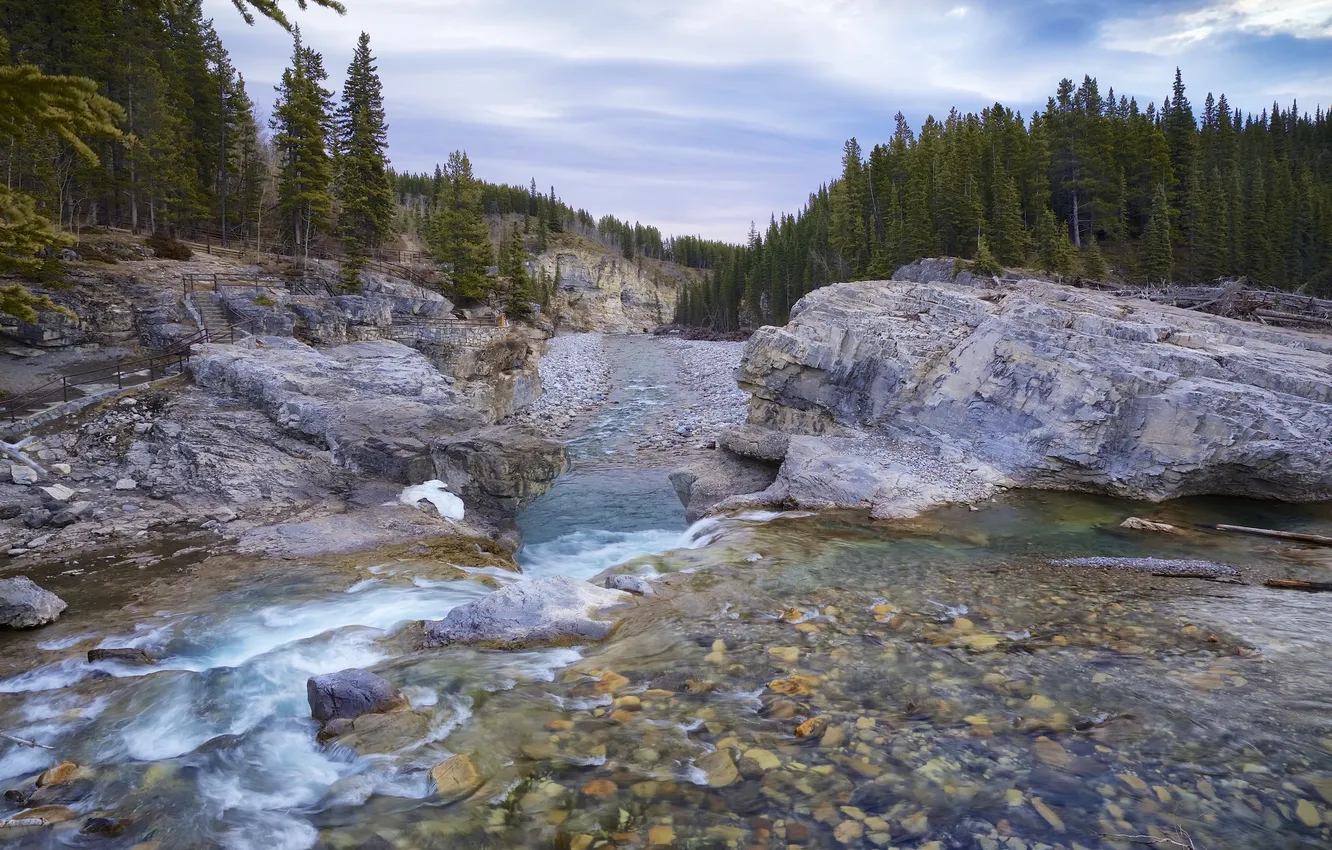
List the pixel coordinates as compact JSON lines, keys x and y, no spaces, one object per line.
{"x":1156,"y":261}
{"x":1007,"y":232}
{"x":460,"y":237}
{"x":985,"y":262}
{"x":365,"y":198}
{"x":1093,"y":263}
{"x":513,"y":268}
{"x":301,"y":121}
{"x":1052,"y":245}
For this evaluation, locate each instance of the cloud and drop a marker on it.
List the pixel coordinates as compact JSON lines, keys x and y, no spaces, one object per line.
{"x":700,"y":115}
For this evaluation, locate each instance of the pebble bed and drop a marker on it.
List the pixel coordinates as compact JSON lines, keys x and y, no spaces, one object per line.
{"x":575,"y":377}
{"x":714,"y":402}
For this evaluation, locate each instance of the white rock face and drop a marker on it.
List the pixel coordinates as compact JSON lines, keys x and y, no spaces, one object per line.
{"x":542,"y":611}
{"x":943,"y":391}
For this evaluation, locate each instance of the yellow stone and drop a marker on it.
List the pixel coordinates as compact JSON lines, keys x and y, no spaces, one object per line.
{"x":600,"y":788}
{"x":580,"y":841}
{"x":555,"y":817}
{"x":764,"y":759}
{"x":917,"y":824}
{"x":977,"y":719}
{"x":719,"y":768}
{"x":628,"y":703}
{"x":980,"y":642}
{"x":1050,"y":752}
{"x":848,"y":831}
{"x":962,"y":624}
{"x":1040,"y":703}
{"x":1014,"y":798}
{"x":877,"y":824}
{"x":1323,"y":787}
{"x":810,"y":727}
{"x":661,"y":835}
{"x":1100,"y":678}
{"x":1053,"y":819}
{"x":1133,"y":782}
{"x":610,"y":682}
{"x":789,"y":687}
{"x":785,"y":654}
{"x":853,"y":812}
{"x":1162,"y":793}
{"x":456,"y":776}
{"x":560,"y":725}
{"x":715,"y":657}
{"x":1059,"y":640}
{"x":1308,"y":814}
{"x":622,"y":715}
{"x":58,"y":775}
{"x":883,"y":610}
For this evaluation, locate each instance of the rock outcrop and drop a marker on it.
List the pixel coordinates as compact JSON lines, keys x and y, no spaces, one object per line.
{"x":705,"y":481}
{"x":499,"y":468}
{"x":26,"y":605}
{"x":375,"y":405}
{"x":556,"y":610}
{"x":913,"y":394}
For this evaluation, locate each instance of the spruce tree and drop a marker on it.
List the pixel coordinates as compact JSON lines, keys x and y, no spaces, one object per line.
{"x":365,"y":198}
{"x":513,"y":268}
{"x":1053,"y":246}
{"x":1093,"y":263}
{"x":301,"y":120}
{"x":1156,"y":261}
{"x":460,"y":237}
{"x":1007,"y":233}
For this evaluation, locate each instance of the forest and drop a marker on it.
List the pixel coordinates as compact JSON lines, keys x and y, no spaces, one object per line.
{"x":1092,"y":186}
{"x":132,"y":115}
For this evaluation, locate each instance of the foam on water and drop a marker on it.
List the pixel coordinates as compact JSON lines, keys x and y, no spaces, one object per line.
{"x":437,"y":493}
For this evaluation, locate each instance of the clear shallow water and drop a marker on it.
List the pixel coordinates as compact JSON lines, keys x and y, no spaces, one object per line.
{"x":818,"y":681}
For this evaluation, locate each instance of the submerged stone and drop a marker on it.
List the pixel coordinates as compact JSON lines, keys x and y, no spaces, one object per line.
{"x":1156,"y":566}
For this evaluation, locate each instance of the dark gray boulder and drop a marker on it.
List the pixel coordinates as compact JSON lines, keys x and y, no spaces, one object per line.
{"x":25,"y":605}
{"x":350,"y":693}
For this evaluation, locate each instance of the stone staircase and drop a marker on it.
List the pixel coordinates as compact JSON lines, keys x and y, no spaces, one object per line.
{"x":214,"y":315}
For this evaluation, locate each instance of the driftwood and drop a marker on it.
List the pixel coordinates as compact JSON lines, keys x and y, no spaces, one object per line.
{"x":15,"y":823}
{"x":1306,"y":586}
{"x":12,"y":449}
{"x":24,"y":742}
{"x":1236,"y":299}
{"x":1319,"y":539}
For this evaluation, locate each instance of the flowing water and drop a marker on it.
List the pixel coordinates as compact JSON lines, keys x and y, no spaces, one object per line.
{"x":817,"y":681}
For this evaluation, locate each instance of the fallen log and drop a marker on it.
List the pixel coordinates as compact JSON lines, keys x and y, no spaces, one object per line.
{"x":15,"y":823}
{"x":1306,"y":586}
{"x":1319,"y":539}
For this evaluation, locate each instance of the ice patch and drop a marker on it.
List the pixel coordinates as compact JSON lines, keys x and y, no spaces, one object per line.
{"x":437,"y":493}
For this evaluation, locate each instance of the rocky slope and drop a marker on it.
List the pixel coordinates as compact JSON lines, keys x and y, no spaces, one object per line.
{"x":911,"y":394}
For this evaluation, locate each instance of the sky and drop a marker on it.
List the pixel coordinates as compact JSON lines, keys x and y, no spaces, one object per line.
{"x":700,"y":116}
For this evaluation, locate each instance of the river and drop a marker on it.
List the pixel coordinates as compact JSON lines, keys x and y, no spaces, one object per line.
{"x":818,"y":681}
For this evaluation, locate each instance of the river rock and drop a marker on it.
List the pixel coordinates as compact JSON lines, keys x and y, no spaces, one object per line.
{"x":58,"y":775}
{"x":456,"y":776}
{"x":349,"y":694}
{"x":637,"y":585}
{"x":25,"y":605}
{"x":503,"y":466}
{"x":1047,"y":387}
{"x":555,"y":610}
{"x":24,"y":475}
{"x":757,"y":442}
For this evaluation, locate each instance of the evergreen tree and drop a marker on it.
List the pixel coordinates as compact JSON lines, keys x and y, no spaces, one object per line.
{"x":365,"y":197}
{"x":460,"y":237}
{"x":513,"y":268}
{"x":985,"y":262}
{"x":1053,"y":246}
{"x":1156,"y":261}
{"x":1093,"y":263}
{"x":301,"y":120}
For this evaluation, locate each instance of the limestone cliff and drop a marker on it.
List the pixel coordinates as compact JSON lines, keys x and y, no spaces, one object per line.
{"x":602,"y":291}
{"x":1035,"y":385}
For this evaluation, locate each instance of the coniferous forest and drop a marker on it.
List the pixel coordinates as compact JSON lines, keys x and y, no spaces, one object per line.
{"x":131,"y":114}
{"x":1093,"y":184}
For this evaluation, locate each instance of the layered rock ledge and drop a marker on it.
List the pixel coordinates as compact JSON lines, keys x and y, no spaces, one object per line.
{"x":900,"y":396}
